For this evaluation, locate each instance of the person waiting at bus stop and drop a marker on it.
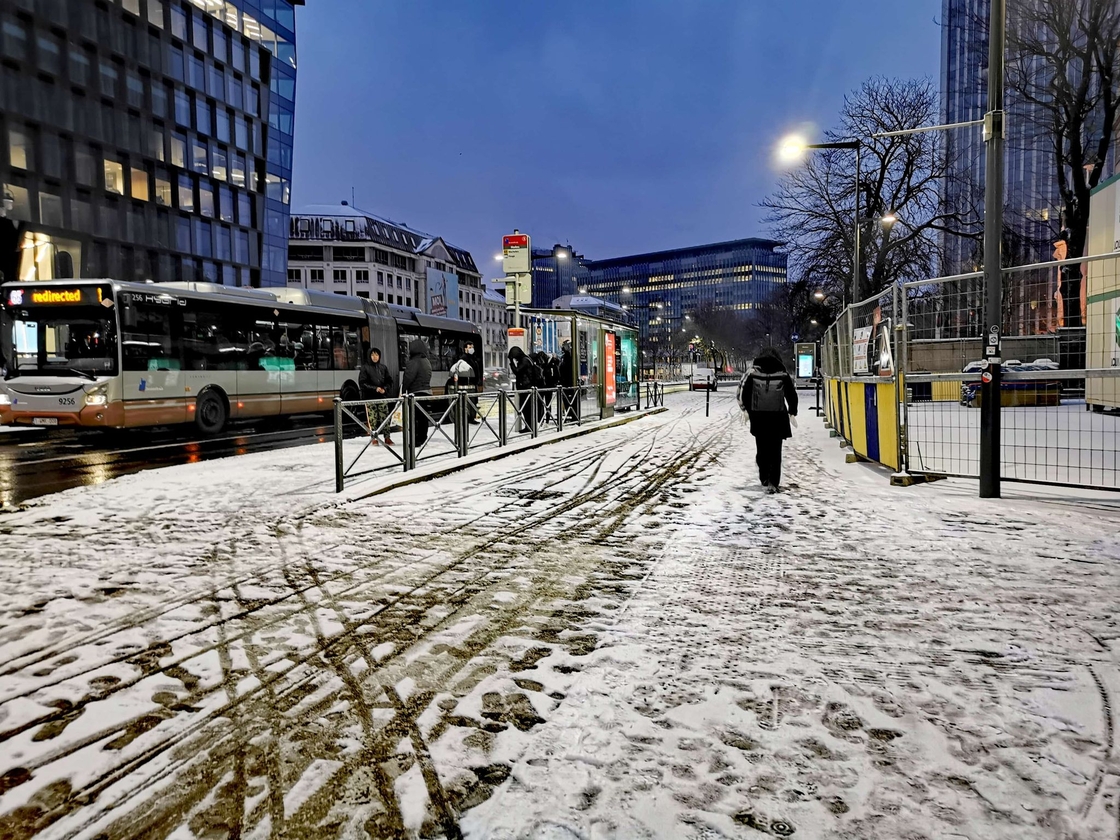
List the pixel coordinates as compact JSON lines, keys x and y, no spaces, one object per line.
{"x":768,"y":395}
{"x":522,"y":367}
{"x":418,"y":381}
{"x":468,"y":369}
{"x":376,"y":383}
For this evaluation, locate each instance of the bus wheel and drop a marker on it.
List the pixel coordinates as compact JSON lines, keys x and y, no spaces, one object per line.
{"x":210,"y":412}
{"x":350,"y":392}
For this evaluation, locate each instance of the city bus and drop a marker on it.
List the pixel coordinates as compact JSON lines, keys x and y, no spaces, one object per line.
{"x":111,"y":354}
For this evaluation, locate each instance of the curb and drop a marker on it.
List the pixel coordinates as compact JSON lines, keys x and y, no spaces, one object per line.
{"x":494,"y":455}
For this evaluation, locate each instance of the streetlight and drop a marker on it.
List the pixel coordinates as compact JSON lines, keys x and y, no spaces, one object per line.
{"x":792,"y":148}
{"x":819,"y":295}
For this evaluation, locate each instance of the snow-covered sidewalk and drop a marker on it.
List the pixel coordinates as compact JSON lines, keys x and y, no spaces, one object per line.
{"x":613,"y":636}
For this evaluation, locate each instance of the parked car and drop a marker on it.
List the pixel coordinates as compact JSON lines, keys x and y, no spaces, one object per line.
{"x":970,"y":389}
{"x":495,"y":379}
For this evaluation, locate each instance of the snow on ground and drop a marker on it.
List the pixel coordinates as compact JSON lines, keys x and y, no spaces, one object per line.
{"x":617,"y":635}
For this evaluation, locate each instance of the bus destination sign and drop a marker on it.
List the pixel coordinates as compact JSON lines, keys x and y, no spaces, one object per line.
{"x":59,"y":296}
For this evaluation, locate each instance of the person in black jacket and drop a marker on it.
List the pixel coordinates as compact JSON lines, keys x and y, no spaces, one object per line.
{"x":523,"y":375}
{"x":769,"y":397}
{"x":469,"y":367}
{"x":568,"y":379}
{"x":376,"y":383}
{"x":550,"y":375}
{"x":418,"y":381}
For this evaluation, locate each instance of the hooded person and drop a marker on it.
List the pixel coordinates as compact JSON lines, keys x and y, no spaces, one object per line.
{"x":569,"y":379}
{"x":550,"y":377}
{"x":768,"y":396}
{"x":523,"y":375}
{"x":418,"y":381}
{"x":376,"y":383}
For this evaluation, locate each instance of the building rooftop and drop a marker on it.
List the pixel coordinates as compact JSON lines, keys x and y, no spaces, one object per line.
{"x":692,"y":250}
{"x":346,"y":223}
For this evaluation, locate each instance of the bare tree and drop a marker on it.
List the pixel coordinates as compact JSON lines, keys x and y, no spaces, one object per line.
{"x":814,"y":206}
{"x":1063,"y":58}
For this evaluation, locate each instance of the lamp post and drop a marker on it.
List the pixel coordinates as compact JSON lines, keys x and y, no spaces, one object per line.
{"x":792,"y":149}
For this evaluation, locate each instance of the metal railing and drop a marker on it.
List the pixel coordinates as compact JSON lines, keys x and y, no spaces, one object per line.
{"x":655,"y":394}
{"x":453,"y":424}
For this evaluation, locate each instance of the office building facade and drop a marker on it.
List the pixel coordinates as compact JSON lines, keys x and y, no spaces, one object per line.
{"x":497,"y":319}
{"x":660,"y":290}
{"x":147,"y":139}
{"x":1032,"y":203}
{"x":557,"y":271}
{"x":342,"y":249}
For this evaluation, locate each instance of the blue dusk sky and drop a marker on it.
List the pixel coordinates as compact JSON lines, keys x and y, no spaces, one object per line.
{"x":618,"y":126}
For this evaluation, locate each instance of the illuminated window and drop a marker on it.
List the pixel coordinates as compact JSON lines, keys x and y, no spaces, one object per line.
{"x":114,"y":177}
{"x":19,"y":148}
{"x":139,"y":184}
{"x":163,"y":191}
{"x":186,"y":194}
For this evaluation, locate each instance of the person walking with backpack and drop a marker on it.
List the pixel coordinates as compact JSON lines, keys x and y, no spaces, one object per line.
{"x":768,"y":396}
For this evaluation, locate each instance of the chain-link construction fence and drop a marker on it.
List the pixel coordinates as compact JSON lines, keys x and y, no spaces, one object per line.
{"x":1059,"y":395}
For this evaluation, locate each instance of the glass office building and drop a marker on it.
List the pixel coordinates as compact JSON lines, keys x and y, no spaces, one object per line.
{"x":147,"y":139}
{"x":659,"y":289}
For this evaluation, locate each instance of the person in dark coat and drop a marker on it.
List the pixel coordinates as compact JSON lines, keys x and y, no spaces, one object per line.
{"x":769,"y":397}
{"x":418,"y":381}
{"x":568,"y":378}
{"x":522,"y":367}
{"x":376,"y":383}
{"x":550,"y":373}
{"x":469,"y":367}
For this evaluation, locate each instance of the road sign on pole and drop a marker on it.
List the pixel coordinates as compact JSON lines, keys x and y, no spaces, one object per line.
{"x":516,"y":253}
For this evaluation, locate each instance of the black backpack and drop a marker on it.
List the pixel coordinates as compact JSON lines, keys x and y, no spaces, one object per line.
{"x":536,"y":375}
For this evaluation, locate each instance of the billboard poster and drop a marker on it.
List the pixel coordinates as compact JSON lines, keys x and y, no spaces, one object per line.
{"x":608,"y":376}
{"x":443,"y":293}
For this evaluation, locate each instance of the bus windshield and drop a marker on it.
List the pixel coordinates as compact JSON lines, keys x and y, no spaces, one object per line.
{"x":59,"y":342}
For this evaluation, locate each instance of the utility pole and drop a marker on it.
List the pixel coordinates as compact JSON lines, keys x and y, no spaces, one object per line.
{"x":990,"y":393}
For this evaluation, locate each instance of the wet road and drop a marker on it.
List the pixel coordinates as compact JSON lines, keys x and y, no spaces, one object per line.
{"x":34,"y":463}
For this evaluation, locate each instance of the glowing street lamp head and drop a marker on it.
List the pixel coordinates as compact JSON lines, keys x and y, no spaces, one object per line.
{"x":888,"y":220}
{"x":792,"y":149}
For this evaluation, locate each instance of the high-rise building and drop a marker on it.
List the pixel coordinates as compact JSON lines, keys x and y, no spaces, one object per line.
{"x":147,"y":139}
{"x":557,"y":271}
{"x":660,"y":289}
{"x":1031,"y":200}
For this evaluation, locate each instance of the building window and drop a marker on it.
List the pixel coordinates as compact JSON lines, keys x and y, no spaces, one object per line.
{"x":182,"y":108}
{"x":203,"y":238}
{"x":202,"y":116}
{"x":244,"y":210}
{"x":380,"y":278}
{"x":408,"y":301}
{"x":14,"y":39}
{"x":381,"y":296}
{"x":50,"y":54}
{"x":340,"y":275}
{"x":205,"y":198}
{"x":218,"y":162}
{"x":222,"y":124}
{"x":178,"y":150}
{"x":225,"y":204}
{"x":241,"y":246}
{"x":139,"y":184}
{"x":316,"y":275}
{"x":198,"y":157}
{"x":186,"y":194}
{"x":178,"y":22}
{"x":114,"y":177}
{"x":109,"y":79}
{"x":50,"y":209}
{"x":400,"y":300}
{"x":163,"y":190}
{"x":19,"y":148}
{"x":237,"y":169}
{"x":361,"y":275}
{"x":199,"y":38}
{"x":155,"y":13}
{"x":295,"y":275}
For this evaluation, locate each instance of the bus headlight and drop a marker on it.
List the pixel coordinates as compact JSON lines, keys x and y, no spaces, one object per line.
{"x":97,"y":397}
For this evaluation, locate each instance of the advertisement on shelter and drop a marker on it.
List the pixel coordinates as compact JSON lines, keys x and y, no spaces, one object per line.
{"x":443,"y":293}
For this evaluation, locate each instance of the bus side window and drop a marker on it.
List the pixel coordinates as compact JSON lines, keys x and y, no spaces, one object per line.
{"x":146,"y":338}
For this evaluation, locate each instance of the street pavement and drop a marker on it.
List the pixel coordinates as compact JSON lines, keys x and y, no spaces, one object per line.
{"x":618,"y":635}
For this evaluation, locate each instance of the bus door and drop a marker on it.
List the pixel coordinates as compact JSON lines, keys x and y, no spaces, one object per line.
{"x":153,"y":383}
{"x":260,"y":373}
{"x":300,"y":387}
